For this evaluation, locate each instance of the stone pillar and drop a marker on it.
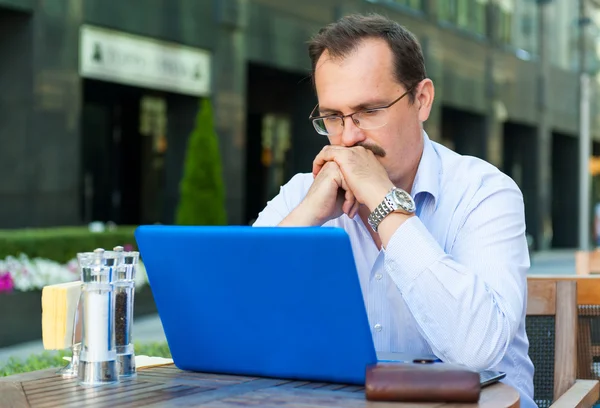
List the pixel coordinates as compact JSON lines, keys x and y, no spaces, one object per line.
{"x":495,"y":118}
{"x":430,"y":9}
{"x":55,"y":139}
{"x":496,"y":110}
{"x":25,"y":5}
{"x":229,"y":90}
{"x":435,"y":72}
{"x":39,"y":116}
{"x":15,"y":118}
{"x":543,"y":151}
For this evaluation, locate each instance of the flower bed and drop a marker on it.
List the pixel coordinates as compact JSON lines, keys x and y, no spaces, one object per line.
{"x":24,"y":274}
{"x":21,"y":283}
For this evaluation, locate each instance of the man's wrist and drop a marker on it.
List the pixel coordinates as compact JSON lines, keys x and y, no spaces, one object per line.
{"x":377,"y":197}
{"x":301,"y":216}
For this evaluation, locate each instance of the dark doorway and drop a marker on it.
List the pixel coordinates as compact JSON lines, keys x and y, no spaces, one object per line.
{"x":519,"y":147}
{"x":133,"y":148}
{"x":464,"y":132}
{"x":111,"y":153}
{"x":280,"y":141}
{"x":565,"y":190}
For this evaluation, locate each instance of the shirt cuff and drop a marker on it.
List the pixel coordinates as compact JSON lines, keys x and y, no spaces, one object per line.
{"x":411,"y":251}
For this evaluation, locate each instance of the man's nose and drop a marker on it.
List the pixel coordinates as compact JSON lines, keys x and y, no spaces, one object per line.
{"x":351,"y":133}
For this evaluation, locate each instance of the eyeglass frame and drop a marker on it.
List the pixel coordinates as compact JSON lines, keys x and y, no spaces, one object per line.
{"x":350,"y":115}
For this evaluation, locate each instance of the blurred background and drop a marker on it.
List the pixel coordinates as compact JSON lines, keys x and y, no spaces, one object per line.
{"x":98,"y":99}
{"x":116,"y":113}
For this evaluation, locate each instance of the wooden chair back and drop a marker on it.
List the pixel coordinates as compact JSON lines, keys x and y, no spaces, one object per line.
{"x":587,"y":262}
{"x":549,"y":297}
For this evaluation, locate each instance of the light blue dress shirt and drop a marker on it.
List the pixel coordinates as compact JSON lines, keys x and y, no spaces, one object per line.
{"x":452,"y":281}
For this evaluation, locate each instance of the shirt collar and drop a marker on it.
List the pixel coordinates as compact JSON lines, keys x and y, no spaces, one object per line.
{"x":428,"y":175}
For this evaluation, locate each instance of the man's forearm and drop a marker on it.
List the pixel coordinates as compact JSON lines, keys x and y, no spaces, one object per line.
{"x":464,"y":319}
{"x":300,"y":217}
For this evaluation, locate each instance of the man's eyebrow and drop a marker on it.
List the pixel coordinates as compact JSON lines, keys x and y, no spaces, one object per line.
{"x":327,"y":111}
{"x":373,"y":103}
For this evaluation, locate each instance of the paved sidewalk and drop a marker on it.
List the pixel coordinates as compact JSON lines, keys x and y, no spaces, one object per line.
{"x":146,"y":329}
{"x":556,"y":262}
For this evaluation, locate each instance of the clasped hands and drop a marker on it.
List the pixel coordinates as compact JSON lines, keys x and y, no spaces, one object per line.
{"x":344,"y":178}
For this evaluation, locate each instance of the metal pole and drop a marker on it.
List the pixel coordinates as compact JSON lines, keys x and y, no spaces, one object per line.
{"x":584,"y":136}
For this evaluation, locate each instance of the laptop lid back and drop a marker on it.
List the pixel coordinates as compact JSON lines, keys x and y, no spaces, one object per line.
{"x":263,"y":301}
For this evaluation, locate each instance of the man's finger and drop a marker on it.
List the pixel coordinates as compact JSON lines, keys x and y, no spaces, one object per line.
{"x":329,"y":153}
{"x":354,"y":209}
{"x":349,"y":201}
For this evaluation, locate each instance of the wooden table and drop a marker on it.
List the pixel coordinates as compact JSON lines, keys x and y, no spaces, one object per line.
{"x":167,"y":386}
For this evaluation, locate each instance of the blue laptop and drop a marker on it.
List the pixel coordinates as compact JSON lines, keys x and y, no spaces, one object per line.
{"x":272,"y":302}
{"x":268,"y":302}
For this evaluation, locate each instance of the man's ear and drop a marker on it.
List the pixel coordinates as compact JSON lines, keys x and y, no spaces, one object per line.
{"x":424,"y":98}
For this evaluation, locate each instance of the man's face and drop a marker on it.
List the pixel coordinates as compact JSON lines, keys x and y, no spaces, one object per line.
{"x":365,"y":79}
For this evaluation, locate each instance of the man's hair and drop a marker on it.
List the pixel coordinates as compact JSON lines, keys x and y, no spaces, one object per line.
{"x":345,"y":35}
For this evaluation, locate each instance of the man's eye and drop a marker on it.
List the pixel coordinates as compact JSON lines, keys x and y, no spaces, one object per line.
{"x":331,"y":119}
{"x":371,"y":112}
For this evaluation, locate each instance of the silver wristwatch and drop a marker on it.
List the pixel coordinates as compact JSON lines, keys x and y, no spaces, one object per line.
{"x":397,"y":200}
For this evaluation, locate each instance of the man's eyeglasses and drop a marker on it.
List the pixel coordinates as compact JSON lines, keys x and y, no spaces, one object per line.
{"x":366,"y":119}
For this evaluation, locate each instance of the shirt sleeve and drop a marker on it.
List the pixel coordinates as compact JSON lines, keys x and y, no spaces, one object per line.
{"x":290,"y":195}
{"x":468,"y":303}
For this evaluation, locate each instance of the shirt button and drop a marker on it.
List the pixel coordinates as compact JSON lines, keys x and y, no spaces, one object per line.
{"x":378,"y":327}
{"x":378,"y":276}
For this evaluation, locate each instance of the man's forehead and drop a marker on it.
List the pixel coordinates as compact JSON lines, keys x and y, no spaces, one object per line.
{"x":370,"y":53}
{"x":365,"y":64}
{"x":354,"y":80}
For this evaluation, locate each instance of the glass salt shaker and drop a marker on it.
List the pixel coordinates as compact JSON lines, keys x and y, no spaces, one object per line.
{"x":98,"y":356}
{"x":124,"y":282}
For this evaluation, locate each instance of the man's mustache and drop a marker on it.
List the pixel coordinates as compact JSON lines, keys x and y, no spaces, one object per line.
{"x":377,"y":150}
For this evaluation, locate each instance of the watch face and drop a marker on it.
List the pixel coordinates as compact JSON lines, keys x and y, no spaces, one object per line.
{"x":404,"y":200}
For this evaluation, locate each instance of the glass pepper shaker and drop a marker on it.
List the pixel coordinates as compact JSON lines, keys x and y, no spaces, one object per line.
{"x":124,"y":282}
{"x":98,"y":357}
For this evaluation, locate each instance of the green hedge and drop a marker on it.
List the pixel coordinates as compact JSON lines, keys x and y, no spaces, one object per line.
{"x":49,"y":359}
{"x":61,"y":244}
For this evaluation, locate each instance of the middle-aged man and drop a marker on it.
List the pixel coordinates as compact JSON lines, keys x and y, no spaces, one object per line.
{"x":438,"y":238}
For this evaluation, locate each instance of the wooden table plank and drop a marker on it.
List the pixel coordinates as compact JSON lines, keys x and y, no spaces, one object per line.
{"x":85,"y":395}
{"x":224,"y":392}
{"x":33,"y":375}
{"x":167,"y":385}
{"x":13,"y":396}
{"x":291,"y":398}
{"x":159,"y":395}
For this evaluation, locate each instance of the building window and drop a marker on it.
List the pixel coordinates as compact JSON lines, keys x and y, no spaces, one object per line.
{"x":505,"y":20}
{"x":469,"y":15}
{"x":447,"y":10}
{"x":479,"y":16}
{"x":413,"y":4}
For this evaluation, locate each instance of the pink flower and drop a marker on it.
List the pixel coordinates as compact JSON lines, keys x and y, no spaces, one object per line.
{"x":73,"y":266}
{"x":6,"y":282}
{"x":128,"y":247}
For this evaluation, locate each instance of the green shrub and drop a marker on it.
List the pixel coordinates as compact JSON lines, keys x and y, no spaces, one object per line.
{"x":202,"y":193}
{"x":54,"y":359}
{"x":61,"y":244}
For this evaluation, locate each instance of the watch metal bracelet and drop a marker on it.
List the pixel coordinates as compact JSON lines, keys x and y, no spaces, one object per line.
{"x":380,"y":212}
